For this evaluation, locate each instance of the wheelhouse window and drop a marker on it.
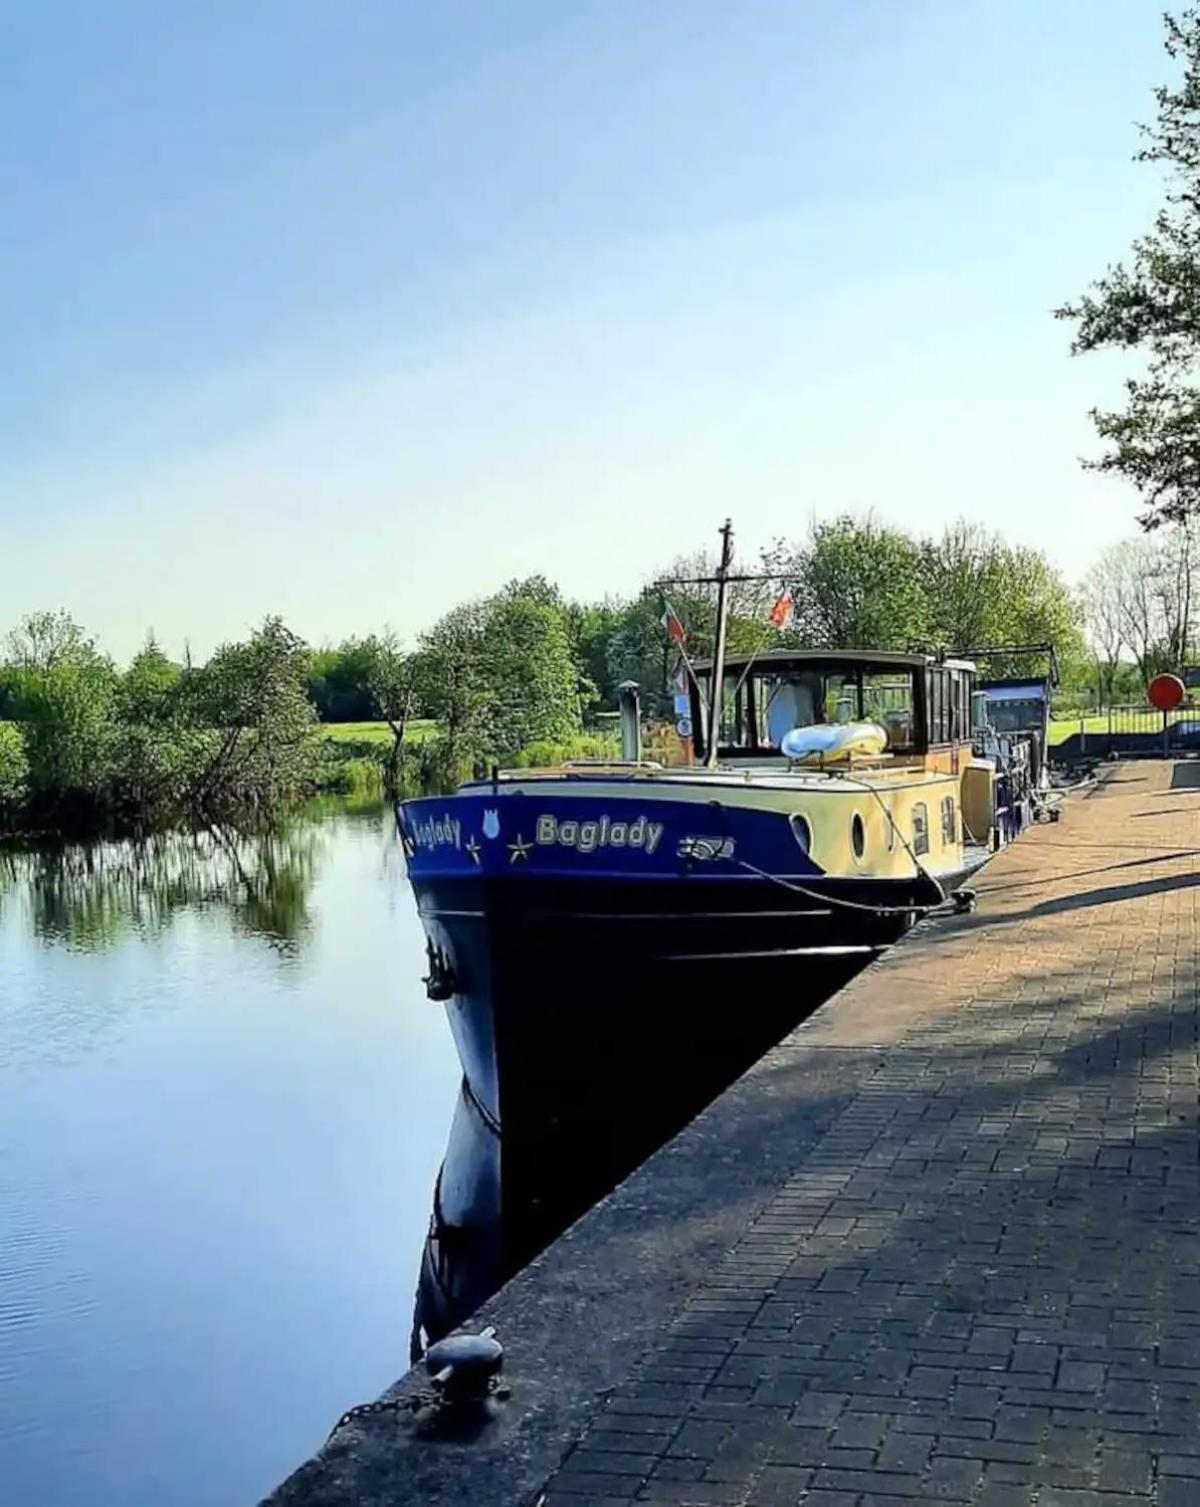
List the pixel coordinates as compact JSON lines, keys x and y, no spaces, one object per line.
{"x":761,"y":704}
{"x":888,"y":700}
{"x":948,"y":704}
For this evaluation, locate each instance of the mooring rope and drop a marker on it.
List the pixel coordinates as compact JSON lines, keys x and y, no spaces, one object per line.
{"x":838,"y":900}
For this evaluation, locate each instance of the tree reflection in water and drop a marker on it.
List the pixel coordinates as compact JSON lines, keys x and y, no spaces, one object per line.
{"x":87,"y":896}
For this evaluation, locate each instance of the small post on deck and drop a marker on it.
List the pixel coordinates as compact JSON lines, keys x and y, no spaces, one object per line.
{"x":630,"y":704}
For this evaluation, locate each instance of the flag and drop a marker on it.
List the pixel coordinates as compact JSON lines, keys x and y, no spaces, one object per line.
{"x":676,"y":632}
{"x":783,"y":611}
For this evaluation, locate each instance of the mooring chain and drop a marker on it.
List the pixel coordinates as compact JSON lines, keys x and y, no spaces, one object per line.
{"x":465,"y":1369}
{"x":371,"y":1409}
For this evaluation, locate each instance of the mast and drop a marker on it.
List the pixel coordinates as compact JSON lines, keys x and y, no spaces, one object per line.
{"x":718,"y":672}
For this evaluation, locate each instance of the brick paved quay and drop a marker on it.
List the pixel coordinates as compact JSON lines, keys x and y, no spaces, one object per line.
{"x":952,"y":1253}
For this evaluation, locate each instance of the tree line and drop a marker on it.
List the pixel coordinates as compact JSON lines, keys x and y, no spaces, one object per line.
{"x":515,"y":676}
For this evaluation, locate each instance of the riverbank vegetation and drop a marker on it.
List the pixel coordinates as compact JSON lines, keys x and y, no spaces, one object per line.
{"x":523,"y":676}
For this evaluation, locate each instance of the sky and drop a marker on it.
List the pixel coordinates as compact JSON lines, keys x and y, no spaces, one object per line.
{"x":352,"y":310}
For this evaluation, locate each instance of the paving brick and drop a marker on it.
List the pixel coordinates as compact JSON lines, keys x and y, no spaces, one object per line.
{"x":1124,"y":1470}
{"x":779,"y":1486}
{"x":981,"y":1284}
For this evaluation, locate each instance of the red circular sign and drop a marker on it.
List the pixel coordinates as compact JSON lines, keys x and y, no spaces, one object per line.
{"x":1166,"y":692}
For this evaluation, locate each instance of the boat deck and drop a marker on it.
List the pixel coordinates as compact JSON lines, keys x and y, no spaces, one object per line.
{"x":942,"y":1244}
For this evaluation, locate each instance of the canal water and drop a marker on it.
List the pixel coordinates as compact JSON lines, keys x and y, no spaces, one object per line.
{"x":223,"y":1101}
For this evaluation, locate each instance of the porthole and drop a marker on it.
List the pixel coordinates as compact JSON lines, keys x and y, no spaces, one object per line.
{"x":858,"y":836}
{"x":802,"y":832}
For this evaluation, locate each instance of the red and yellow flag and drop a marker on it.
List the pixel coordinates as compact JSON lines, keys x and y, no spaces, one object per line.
{"x":783,"y":611}
{"x":676,"y":632}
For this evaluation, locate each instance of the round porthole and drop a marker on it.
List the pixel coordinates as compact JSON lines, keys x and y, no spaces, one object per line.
{"x":858,"y":836}
{"x":802,"y":832}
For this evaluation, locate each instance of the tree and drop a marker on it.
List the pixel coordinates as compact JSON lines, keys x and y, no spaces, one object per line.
{"x":149,"y":685}
{"x":45,"y":640}
{"x":1152,"y":305}
{"x":964,"y":578}
{"x":1139,"y":597}
{"x":66,"y":717}
{"x":252,"y":697}
{"x":530,"y":670}
{"x":638,"y":648}
{"x":14,"y":768}
{"x":339,"y":680}
{"x":449,"y":683}
{"x":594,"y":628}
{"x":501,"y":673}
{"x":152,"y":746}
{"x":1105,"y":622}
{"x":858,"y":584}
{"x":389,"y":684}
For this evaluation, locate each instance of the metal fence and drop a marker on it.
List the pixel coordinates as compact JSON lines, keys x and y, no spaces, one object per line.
{"x":1132,"y":728}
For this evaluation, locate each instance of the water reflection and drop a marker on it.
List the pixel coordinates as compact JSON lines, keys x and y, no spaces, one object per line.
{"x":89,"y":895}
{"x":223,"y":1098}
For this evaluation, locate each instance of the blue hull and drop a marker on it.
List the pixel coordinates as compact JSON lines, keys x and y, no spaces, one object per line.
{"x":601,"y":991}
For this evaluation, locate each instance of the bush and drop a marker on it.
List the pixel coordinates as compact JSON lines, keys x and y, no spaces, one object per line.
{"x":544,"y":752}
{"x":14,"y":767}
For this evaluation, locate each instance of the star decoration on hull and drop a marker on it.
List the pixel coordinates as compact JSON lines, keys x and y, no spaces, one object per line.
{"x":473,"y":848}
{"x":519,"y":849}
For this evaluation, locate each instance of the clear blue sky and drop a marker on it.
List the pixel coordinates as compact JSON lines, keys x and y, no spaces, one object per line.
{"x":349,"y":310}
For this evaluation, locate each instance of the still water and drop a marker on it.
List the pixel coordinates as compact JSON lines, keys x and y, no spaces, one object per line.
{"x":223,"y":1100}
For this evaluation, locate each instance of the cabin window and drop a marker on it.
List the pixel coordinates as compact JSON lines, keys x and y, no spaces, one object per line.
{"x":920,"y":826}
{"x":949,"y":822}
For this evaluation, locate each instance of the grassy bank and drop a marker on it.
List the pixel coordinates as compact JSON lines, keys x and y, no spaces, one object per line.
{"x":1062,"y":728}
{"x":418,"y":731}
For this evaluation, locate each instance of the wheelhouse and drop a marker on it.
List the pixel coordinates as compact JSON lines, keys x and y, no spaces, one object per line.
{"x":922,"y":703}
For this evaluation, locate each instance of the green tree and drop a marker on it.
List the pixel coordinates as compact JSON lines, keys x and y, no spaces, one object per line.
{"x":1151,"y":304}
{"x":60,"y":690}
{"x":339,"y":681}
{"x":858,"y":584}
{"x":14,"y":769}
{"x":594,"y":627}
{"x":153,"y":745}
{"x":530,"y":670}
{"x":149,"y":686}
{"x":501,"y":673}
{"x":449,"y":683}
{"x":983,"y":592}
{"x":66,"y":717}
{"x":252,"y":696}
{"x":389,"y":683}
{"x":638,"y":649}
{"x":44,"y":641}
